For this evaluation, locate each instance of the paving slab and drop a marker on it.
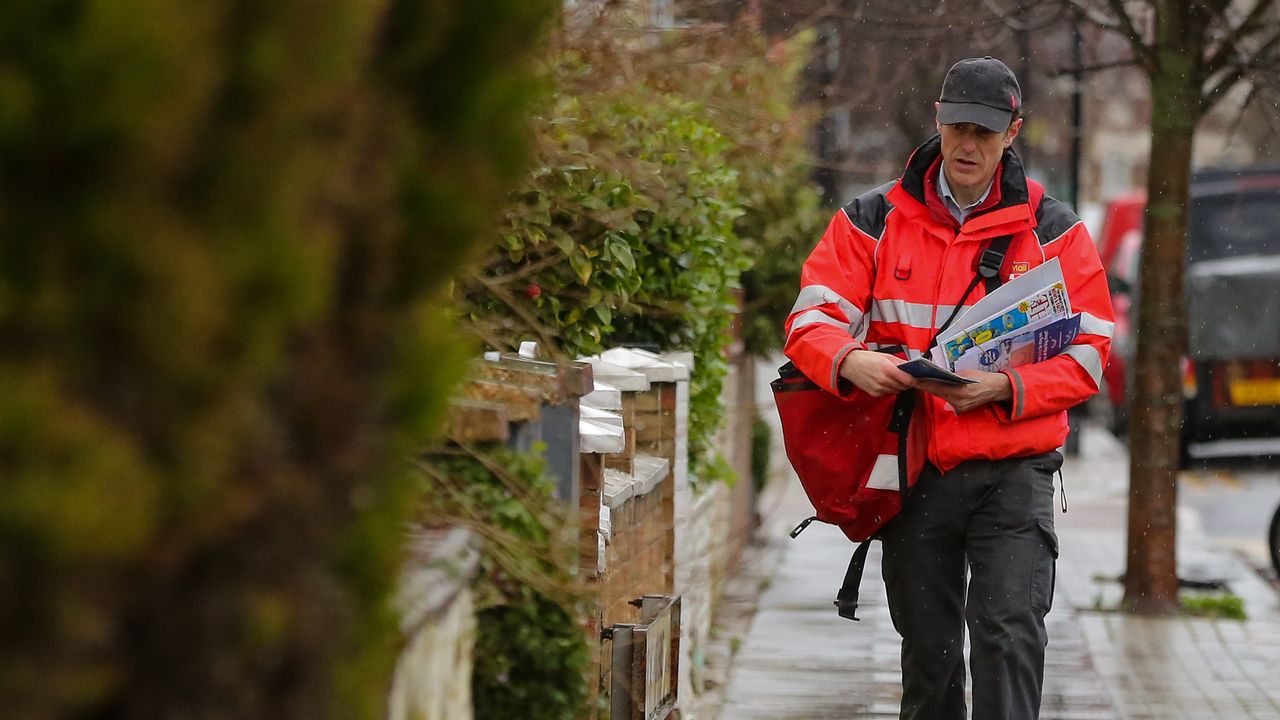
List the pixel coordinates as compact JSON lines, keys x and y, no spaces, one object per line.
{"x":799,"y":661}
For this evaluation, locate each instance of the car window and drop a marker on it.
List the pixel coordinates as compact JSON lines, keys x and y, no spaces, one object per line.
{"x":1234,"y":226}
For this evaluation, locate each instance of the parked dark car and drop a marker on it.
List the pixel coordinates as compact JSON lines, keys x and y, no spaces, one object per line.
{"x":1231,"y":375}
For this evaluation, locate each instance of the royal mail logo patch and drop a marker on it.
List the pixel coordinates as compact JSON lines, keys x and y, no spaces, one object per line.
{"x":1018,"y":268}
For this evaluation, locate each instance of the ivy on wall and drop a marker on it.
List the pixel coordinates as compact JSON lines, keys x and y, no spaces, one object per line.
{"x":531,"y":651}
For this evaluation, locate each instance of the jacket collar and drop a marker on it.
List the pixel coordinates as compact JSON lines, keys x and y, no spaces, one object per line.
{"x":1009,"y":213}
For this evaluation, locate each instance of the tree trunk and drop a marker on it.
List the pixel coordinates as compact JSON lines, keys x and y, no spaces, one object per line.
{"x":1151,"y":580}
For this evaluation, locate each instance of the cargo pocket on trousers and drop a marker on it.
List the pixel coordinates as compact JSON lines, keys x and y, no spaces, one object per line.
{"x":1044,"y":576}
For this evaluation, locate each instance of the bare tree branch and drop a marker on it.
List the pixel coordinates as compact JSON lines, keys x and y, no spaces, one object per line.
{"x":1089,"y":13}
{"x":1012,"y":18}
{"x":908,"y":19}
{"x":1238,"y":72}
{"x":1141,"y":50}
{"x":1094,"y":67}
{"x":1230,"y":46}
{"x":1234,"y":128}
{"x":1213,"y":8}
{"x":1271,"y":118}
{"x":1119,"y":22}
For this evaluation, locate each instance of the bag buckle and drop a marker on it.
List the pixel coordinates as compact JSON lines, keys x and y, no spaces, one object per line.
{"x":989,"y":265}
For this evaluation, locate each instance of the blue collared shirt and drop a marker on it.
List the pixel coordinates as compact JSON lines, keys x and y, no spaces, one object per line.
{"x":944,"y":191}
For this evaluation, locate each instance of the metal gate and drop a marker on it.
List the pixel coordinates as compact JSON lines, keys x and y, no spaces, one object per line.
{"x":646,"y":661}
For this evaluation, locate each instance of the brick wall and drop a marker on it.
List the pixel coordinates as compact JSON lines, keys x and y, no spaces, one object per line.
{"x":637,"y":556}
{"x":703,"y":570}
{"x":637,"y":513}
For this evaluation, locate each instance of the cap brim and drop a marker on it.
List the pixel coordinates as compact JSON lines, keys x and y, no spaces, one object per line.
{"x":990,"y":118}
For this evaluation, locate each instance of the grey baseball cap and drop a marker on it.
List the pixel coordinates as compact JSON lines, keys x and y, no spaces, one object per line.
{"x":979,"y":90}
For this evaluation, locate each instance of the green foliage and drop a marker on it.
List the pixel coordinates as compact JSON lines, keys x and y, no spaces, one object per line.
{"x":663,"y":174}
{"x":531,"y":653}
{"x":225,"y":233}
{"x":784,"y":216}
{"x":530,"y":659}
{"x":1213,"y":605}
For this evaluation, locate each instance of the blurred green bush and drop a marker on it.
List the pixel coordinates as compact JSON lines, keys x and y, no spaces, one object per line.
{"x":226,"y":233}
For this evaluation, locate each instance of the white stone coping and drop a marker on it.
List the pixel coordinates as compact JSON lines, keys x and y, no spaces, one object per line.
{"x":600,"y":415}
{"x":680,"y":357}
{"x":623,"y":378}
{"x":603,"y":397}
{"x":600,"y":436}
{"x":620,"y":487}
{"x":600,"y":431}
{"x":653,"y":365}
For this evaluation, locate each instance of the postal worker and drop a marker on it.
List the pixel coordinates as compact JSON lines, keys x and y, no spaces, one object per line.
{"x":974,"y":545}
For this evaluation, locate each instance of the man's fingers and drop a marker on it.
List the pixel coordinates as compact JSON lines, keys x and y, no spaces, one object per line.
{"x":940,"y":389}
{"x":899,"y":380}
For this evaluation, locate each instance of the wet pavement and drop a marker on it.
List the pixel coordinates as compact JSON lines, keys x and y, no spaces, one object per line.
{"x":797,"y":660}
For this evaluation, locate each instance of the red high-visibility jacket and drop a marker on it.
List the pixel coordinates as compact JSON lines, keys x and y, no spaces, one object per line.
{"x":891,"y":267}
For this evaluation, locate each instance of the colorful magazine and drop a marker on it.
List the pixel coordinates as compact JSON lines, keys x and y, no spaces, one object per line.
{"x":1046,"y":303}
{"x":1013,"y":305}
{"x":1037,"y":343}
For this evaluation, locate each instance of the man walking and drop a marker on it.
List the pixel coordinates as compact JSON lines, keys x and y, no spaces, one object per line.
{"x":888,"y":272}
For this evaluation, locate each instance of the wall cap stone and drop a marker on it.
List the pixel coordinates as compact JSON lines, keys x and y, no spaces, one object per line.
{"x":601,"y":415}
{"x":620,"y":487}
{"x":604,"y":397}
{"x":601,"y":437}
{"x":654,"y":366}
{"x":623,"y":378}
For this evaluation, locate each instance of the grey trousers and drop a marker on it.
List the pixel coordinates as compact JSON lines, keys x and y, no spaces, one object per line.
{"x":993,"y":522}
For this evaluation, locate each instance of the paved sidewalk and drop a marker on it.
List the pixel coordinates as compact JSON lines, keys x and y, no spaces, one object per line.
{"x":800,"y":661}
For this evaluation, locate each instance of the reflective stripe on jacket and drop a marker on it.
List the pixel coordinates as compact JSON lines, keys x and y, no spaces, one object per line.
{"x":891,"y":266}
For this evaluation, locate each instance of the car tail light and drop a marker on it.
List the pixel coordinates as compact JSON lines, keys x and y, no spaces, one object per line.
{"x":1188,"y":378}
{"x":1247,"y":382}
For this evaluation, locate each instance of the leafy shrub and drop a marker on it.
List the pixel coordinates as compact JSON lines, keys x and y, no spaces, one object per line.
{"x":531,"y":652}
{"x":662,"y":175}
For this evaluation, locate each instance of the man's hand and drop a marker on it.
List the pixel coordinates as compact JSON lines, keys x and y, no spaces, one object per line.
{"x":991,"y":387}
{"x":875,"y":373}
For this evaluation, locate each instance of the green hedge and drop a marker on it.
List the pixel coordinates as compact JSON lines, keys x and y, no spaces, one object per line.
{"x":663,"y":174}
{"x":225,"y":228}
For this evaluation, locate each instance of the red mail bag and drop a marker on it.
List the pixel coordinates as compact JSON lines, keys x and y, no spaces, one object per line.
{"x":857,"y":458}
{"x":851,"y":453}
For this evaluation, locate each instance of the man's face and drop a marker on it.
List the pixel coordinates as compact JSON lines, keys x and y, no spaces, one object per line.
{"x":972,"y":152}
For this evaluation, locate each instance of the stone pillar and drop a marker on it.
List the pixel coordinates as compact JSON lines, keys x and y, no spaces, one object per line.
{"x":432,"y":679}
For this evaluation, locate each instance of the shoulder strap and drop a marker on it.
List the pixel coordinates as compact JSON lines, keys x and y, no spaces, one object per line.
{"x":988,"y":271}
{"x":992,"y":259}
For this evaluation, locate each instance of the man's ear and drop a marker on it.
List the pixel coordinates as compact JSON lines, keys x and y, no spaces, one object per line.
{"x":1012,"y":132}
{"x":936,"y":107}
